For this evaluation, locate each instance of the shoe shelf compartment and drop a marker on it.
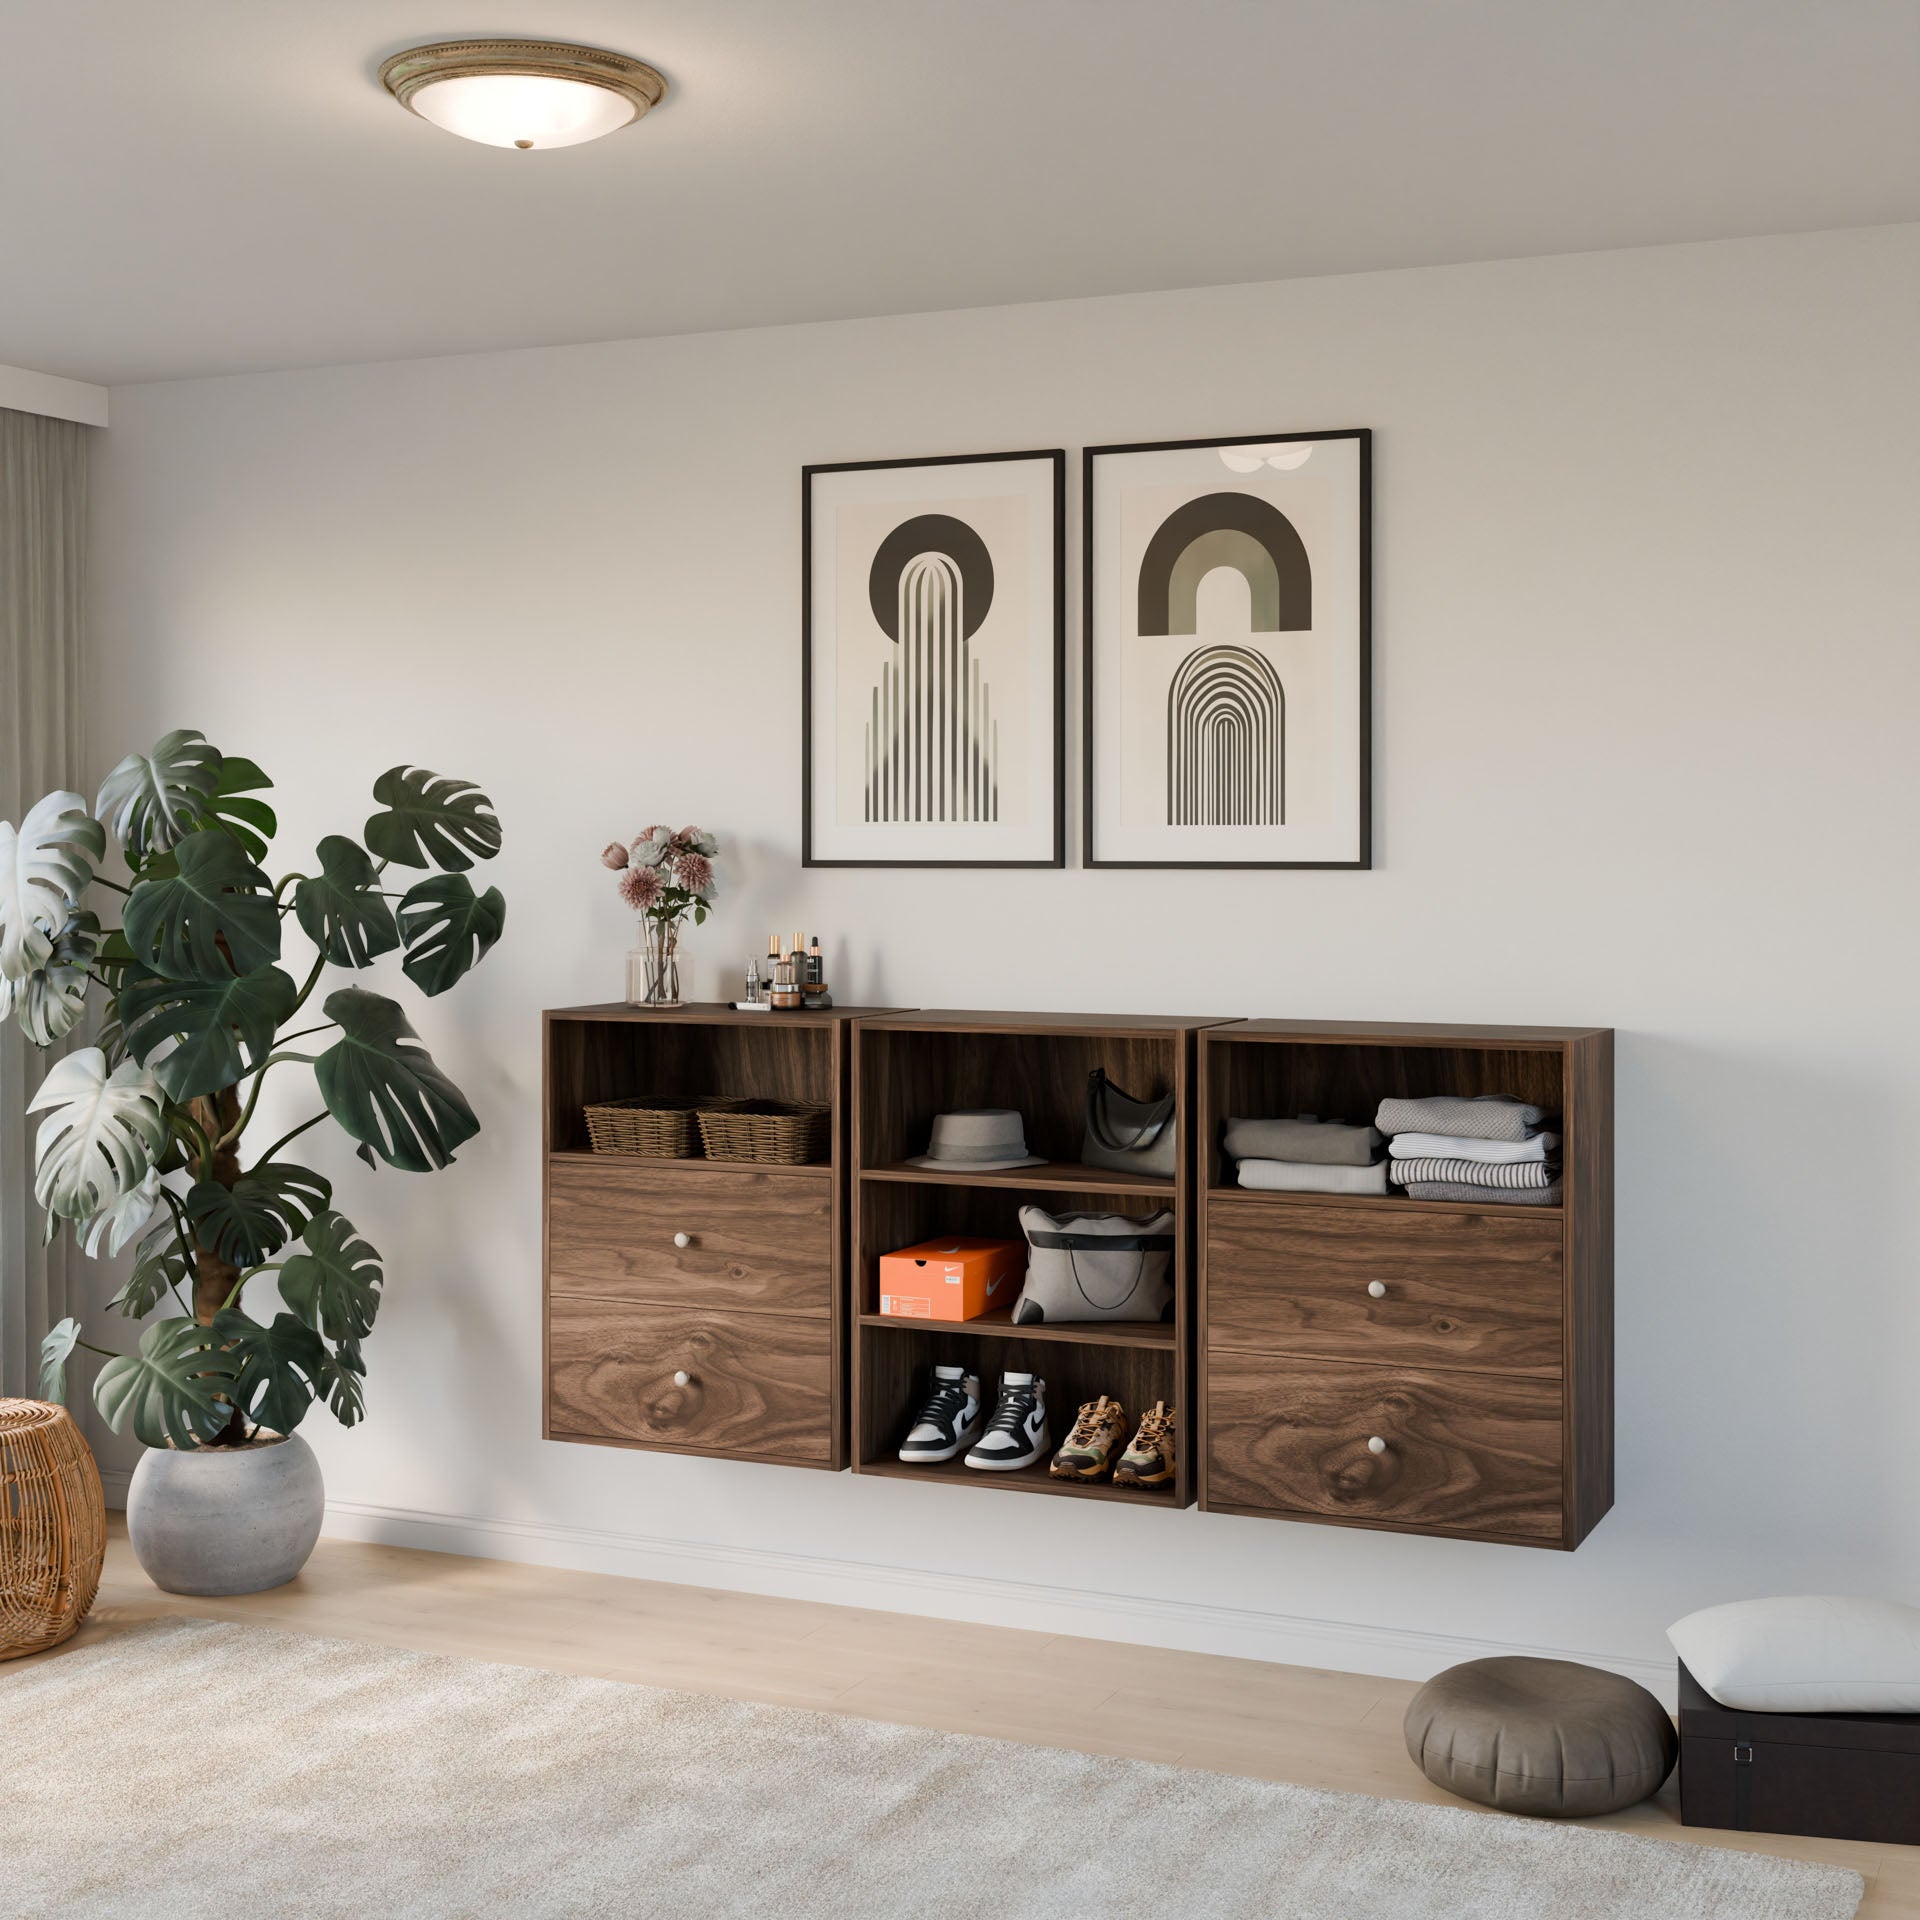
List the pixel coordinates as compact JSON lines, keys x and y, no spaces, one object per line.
{"x":695,"y":1305}
{"x":1472,"y":1394}
{"x":894,"y":1361}
{"x":909,"y":1067}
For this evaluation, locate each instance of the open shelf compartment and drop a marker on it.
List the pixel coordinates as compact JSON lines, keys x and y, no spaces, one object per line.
{"x":1270,"y":1070}
{"x":909,"y":1067}
{"x":607,"y":1054}
{"x":894,"y":1361}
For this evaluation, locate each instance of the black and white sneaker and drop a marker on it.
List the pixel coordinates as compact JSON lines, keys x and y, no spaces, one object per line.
{"x":948,"y":1422}
{"x":1017,"y":1434}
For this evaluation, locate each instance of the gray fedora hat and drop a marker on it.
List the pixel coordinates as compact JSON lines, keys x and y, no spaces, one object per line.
{"x":980,"y":1140}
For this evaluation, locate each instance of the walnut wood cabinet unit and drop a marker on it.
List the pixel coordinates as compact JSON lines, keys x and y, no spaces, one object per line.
{"x":695,"y":1306}
{"x":1426,"y":1366}
{"x":907,"y":1068}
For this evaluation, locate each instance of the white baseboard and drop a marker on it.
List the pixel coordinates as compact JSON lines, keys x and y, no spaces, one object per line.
{"x":1191,"y":1626}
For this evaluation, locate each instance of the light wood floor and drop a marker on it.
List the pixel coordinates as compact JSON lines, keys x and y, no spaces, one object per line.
{"x":1333,"y":1730}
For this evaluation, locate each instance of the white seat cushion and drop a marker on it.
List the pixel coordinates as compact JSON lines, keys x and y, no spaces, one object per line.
{"x":1818,"y":1653}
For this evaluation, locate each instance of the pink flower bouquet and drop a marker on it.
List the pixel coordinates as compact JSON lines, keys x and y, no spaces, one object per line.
{"x":666,"y":877}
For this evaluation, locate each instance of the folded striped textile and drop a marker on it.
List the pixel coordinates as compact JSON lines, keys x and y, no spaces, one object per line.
{"x":1324,"y":1143}
{"x":1426,"y":1169}
{"x":1461,"y":1146}
{"x":1296,"y":1176}
{"x":1483,"y":1116}
{"x":1490,"y":1196}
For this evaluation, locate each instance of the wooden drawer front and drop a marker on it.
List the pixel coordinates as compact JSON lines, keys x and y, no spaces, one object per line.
{"x":1466,"y":1452}
{"x":755,"y":1240}
{"x":759,"y":1383}
{"x":1462,"y":1289}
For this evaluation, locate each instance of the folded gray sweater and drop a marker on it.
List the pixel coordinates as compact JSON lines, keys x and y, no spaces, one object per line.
{"x":1490,"y":1196}
{"x":1424,"y":1169}
{"x":1300,"y":1176}
{"x":1484,"y":1116}
{"x":1319,"y":1143}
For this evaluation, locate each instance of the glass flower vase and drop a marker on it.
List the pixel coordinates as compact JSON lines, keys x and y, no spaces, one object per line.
{"x":653,"y":969}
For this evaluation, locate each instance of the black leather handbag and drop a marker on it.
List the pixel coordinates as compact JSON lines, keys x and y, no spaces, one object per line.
{"x":1129,"y":1135}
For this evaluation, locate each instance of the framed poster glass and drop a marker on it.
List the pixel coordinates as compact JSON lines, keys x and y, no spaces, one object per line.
{"x":1227,"y":692}
{"x":933,"y":628}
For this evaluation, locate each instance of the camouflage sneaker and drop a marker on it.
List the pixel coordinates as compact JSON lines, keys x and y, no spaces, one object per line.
{"x":1148,"y":1460}
{"x":1088,"y":1452}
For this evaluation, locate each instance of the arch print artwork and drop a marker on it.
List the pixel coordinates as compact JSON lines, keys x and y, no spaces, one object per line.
{"x":932,"y":746}
{"x":933,"y":654}
{"x":1227,"y":715}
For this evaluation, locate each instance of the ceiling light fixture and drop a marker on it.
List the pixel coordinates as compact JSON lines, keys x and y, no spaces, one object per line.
{"x":522,"y":93}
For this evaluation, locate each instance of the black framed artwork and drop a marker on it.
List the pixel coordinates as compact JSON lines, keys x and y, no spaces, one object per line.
{"x":933,"y":640}
{"x":1228,"y":671}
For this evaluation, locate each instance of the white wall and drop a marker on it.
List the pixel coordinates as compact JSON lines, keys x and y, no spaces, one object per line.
{"x":54,"y":395}
{"x":1646,"y":680}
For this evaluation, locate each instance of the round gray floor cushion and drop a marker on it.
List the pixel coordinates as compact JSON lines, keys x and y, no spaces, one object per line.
{"x":1540,"y":1736}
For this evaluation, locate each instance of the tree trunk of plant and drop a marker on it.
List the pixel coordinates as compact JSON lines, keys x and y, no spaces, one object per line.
{"x":213,"y":1277}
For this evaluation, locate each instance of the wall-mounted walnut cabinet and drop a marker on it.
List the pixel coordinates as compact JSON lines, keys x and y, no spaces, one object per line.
{"x":694,"y":1305}
{"x":1420,"y":1365}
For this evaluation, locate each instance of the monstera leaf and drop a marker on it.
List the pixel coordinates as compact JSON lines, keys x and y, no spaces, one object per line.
{"x":55,"y":1350}
{"x":46,"y":864}
{"x":251,"y":822}
{"x":278,"y":1367}
{"x":254,"y":1218}
{"x":205,"y":914}
{"x":431,"y":820}
{"x":114,"y":1226}
{"x":334,"y":1287}
{"x":340,"y":911}
{"x":152,"y":801}
{"x":101,"y":1137}
{"x":448,"y":929}
{"x":340,"y":1379}
{"x":383,"y":1087}
{"x":223,"y":1028}
{"x":169,"y":1386}
{"x":160,"y":1265}
{"x":51,"y":999}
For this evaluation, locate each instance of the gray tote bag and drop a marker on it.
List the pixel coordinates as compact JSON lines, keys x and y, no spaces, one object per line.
{"x":1095,"y":1266}
{"x":1129,"y":1135}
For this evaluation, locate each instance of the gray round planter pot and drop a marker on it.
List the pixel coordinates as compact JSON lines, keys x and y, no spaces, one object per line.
{"x":225,"y":1519}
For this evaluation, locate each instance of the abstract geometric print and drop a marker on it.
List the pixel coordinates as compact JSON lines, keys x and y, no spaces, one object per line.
{"x":1226,"y":741}
{"x":932,"y":743}
{"x":1226,"y":707}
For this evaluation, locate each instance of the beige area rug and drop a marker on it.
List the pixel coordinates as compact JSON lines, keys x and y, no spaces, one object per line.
{"x":188,"y":1767}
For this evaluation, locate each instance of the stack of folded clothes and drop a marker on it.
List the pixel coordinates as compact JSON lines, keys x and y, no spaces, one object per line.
{"x":1488,"y":1147}
{"x":1307,"y":1156}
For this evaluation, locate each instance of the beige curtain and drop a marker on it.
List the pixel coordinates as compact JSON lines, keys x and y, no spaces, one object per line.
{"x":43,"y":524}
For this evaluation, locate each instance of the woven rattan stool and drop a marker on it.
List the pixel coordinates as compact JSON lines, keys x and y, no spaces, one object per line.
{"x":53,"y":1527}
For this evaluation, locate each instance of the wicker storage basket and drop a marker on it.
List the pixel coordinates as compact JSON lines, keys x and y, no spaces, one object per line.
{"x":53,"y":1527}
{"x":658,"y":1124}
{"x":791,"y":1133}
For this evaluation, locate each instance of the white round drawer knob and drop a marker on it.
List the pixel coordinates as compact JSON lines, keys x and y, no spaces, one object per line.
{"x":1378,"y":1288}
{"x":683,"y":1378}
{"x":1376,"y":1445}
{"x":683,"y":1239}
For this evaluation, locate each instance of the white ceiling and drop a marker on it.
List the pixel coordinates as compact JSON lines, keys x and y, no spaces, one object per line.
{"x":202,"y":186}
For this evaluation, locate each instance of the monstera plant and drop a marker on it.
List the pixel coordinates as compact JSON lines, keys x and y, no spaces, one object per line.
{"x":199,"y":1002}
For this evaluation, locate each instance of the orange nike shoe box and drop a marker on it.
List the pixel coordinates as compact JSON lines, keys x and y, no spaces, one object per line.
{"x":953,"y":1279}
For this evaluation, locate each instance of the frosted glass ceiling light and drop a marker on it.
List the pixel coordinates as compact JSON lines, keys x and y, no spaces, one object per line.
{"x":522,"y":93}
